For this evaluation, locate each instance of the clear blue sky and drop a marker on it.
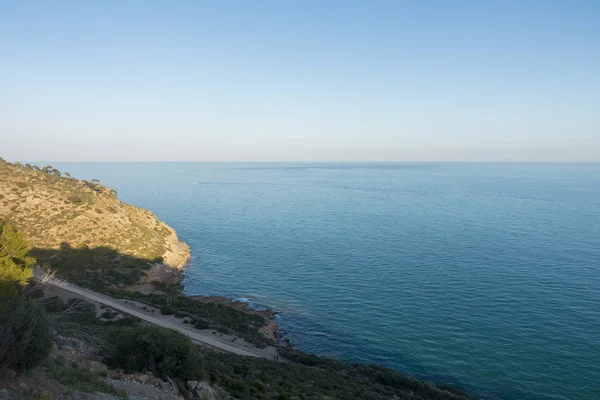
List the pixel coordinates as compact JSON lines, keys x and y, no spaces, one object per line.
{"x":300,"y":80}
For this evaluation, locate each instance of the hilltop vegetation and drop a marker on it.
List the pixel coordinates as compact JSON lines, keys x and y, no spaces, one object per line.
{"x":55,"y":210}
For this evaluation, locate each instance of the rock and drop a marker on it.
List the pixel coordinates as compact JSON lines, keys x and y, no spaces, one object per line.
{"x":205,"y":392}
{"x":66,"y":347}
{"x":143,"y":378}
{"x":139,"y":391}
{"x":201,"y":389}
{"x":163,"y":385}
{"x":98,"y":367}
{"x":174,"y":388}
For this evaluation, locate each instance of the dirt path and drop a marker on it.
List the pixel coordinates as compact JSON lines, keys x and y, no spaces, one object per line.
{"x":157,"y":320}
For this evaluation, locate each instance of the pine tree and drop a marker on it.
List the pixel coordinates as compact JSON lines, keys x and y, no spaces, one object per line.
{"x":15,"y":264}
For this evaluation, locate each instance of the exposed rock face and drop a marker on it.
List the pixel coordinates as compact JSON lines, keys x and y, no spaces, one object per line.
{"x":142,"y":391}
{"x":54,"y":211}
{"x":201,"y":390}
{"x":177,"y":252}
{"x":270,"y":331}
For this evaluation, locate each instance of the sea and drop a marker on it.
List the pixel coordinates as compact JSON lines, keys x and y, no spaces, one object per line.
{"x":480,"y":275}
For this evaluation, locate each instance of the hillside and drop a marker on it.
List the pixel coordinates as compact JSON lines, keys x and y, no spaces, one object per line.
{"x":57,"y":211}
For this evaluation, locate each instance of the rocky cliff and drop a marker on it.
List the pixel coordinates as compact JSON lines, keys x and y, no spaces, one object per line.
{"x":56,"y":210}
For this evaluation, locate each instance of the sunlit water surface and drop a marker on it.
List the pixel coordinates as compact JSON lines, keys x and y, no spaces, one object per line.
{"x":485,"y":276}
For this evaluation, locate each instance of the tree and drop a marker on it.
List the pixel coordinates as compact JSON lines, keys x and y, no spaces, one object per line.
{"x":152,"y":348}
{"x":15,"y":263}
{"x":25,"y":333}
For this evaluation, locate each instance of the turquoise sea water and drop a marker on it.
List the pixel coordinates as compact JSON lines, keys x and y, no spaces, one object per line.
{"x":485,"y":276}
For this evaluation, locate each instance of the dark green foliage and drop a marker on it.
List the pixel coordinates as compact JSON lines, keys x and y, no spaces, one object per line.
{"x":95,"y":186}
{"x":51,"y":170}
{"x":168,"y":310}
{"x":158,"y":285}
{"x":218,"y":316}
{"x":173,"y":289}
{"x":201,"y":324}
{"x":77,"y":378}
{"x":15,"y":264}
{"x":251,"y":378}
{"x":25,"y":333}
{"x":158,"y":350}
{"x":95,"y":268}
{"x":75,"y":199}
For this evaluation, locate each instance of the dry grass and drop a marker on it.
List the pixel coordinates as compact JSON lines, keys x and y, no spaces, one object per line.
{"x":52,"y":210}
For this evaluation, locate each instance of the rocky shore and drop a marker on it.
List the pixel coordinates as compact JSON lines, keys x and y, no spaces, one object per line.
{"x":177,"y":252}
{"x":270,"y":331}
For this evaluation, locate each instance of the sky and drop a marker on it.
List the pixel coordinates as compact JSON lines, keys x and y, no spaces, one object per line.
{"x":300,"y":80}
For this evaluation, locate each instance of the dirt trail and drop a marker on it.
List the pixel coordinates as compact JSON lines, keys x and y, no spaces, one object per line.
{"x":157,"y":320}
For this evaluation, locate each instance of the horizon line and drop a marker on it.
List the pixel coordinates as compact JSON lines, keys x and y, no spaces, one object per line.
{"x":313,"y":161}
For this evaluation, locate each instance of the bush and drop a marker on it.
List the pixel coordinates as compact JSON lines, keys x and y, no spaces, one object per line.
{"x":25,"y":334}
{"x":75,"y":199}
{"x":150,"y":348}
{"x":168,"y":310}
{"x":78,"y":378}
{"x":201,"y":324}
{"x":15,"y":264}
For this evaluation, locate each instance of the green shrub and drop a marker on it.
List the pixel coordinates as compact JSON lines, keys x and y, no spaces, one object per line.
{"x":75,"y":199}
{"x":201,"y":324}
{"x":15,"y":264}
{"x":168,"y":310}
{"x":25,"y":334}
{"x":155,"y":349}
{"x":77,"y":378}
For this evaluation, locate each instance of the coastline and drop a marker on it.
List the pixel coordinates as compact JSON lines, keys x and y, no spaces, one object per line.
{"x":178,"y":252}
{"x":270,"y":331}
{"x":137,"y":267}
{"x":171,"y":272}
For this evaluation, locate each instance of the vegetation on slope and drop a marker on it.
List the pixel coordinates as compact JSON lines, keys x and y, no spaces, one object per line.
{"x":219,"y":317}
{"x":25,"y":329}
{"x":168,"y":353}
{"x":55,"y":211}
{"x":96,"y":268}
{"x":135,"y":347}
{"x":15,"y":262}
